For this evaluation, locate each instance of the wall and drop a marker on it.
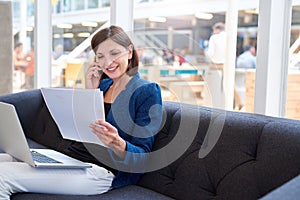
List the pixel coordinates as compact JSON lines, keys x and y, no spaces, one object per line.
{"x":6,"y":50}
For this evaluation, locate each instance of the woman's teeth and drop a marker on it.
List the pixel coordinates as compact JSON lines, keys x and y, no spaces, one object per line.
{"x":111,"y":68}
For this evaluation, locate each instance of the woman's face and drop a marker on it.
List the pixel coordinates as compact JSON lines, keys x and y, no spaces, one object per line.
{"x":113,"y":58}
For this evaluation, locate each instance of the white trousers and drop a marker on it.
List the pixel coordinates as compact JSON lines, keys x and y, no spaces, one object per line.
{"x":21,"y":177}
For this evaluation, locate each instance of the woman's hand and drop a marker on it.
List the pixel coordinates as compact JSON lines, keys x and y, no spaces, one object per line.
{"x":108,"y":134}
{"x":92,"y":76}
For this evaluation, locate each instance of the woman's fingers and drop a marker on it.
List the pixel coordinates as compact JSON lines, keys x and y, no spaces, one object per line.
{"x":94,"y":69}
{"x":92,"y":76}
{"x":106,"y":124}
{"x":105,"y":132}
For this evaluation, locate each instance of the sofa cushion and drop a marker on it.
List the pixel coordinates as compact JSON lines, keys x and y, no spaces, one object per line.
{"x":125,"y":193}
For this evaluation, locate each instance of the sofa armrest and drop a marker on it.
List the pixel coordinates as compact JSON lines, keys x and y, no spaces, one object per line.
{"x":288,"y":191}
{"x":36,"y":121}
{"x":27,"y":105}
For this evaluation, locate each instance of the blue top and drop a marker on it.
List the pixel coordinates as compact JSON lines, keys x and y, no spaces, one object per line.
{"x":246,"y":60}
{"x":137,"y":114}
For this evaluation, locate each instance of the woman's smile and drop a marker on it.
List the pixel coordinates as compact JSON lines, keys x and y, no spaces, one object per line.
{"x":111,"y":68}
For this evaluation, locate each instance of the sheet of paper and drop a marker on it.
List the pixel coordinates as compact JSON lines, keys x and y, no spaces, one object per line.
{"x":74,"y":110}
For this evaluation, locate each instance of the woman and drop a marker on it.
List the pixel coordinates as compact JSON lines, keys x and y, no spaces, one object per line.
{"x":133,"y":117}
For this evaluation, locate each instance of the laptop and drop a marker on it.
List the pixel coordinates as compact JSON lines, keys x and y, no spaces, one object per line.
{"x":13,"y":142}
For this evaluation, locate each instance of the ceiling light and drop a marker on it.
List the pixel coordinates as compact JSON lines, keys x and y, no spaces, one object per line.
{"x":29,"y":28}
{"x":255,"y":11}
{"x":90,"y":24}
{"x":68,"y":35}
{"x":206,"y":16}
{"x":64,"y":26}
{"x":56,"y":35}
{"x":54,"y":2}
{"x":83,"y":34}
{"x":157,"y":19}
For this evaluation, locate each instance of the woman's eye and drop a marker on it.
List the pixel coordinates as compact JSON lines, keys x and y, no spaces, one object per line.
{"x":115,"y":53}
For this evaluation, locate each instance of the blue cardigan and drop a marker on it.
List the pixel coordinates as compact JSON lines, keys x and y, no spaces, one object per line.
{"x":137,"y":114}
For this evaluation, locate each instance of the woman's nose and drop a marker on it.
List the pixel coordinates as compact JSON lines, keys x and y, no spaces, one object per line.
{"x":107,"y":61}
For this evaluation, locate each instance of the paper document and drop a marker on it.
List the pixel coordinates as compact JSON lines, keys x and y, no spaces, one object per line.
{"x":74,"y":110}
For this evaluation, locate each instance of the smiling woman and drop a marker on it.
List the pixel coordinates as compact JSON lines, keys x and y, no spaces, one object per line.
{"x":113,"y":49}
{"x":133,"y":116}
{"x":113,"y":56}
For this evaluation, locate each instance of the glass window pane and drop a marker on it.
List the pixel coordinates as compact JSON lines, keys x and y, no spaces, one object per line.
{"x":78,"y":4}
{"x":70,"y":72}
{"x":67,"y":6}
{"x":105,"y":3}
{"x":189,"y":35}
{"x":23,"y":53}
{"x":191,"y":43}
{"x":58,"y":6}
{"x":93,"y":4}
{"x":293,"y":82}
{"x":16,"y":9}
{"x":30,"y":9}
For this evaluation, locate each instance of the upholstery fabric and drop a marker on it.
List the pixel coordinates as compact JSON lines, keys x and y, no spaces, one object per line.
{"x":131,"y":192}
{"x":246,"y":163}
{"x":254,"y":155}
{"x":288,"y":191}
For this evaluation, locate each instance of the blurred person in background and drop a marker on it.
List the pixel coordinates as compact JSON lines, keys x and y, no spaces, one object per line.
{"x":247,"y":59}
{"x":29,"y":72}
{"x":216,"y":50}
{"x":168,"y":56}
{"x":20,"y":64}
{"x":178,"y":57}
{"x":58,"y":51}
{"x":145,"y":58}
{"x":19,"y":58}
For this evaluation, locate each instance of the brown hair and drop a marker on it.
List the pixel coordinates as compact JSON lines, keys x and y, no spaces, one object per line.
{"x":118,"y":35}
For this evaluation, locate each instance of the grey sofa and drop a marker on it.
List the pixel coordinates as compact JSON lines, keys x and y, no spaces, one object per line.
{"x":204,"y":153}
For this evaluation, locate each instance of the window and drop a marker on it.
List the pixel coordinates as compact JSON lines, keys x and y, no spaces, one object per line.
{"x":78,"y":5}
{"x":93,"y":4}
{"x":105,"y":3}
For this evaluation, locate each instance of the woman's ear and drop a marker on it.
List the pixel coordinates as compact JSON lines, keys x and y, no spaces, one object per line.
{"x":130,"y":51}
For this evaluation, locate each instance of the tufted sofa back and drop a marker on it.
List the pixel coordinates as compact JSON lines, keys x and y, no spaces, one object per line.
{"x":253,"y":155}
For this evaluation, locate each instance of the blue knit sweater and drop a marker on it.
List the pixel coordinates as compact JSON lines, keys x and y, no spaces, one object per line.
{"x":137,"y":114}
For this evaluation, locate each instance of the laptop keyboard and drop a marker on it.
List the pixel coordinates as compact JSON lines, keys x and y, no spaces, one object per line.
{"x":42,"y":158}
